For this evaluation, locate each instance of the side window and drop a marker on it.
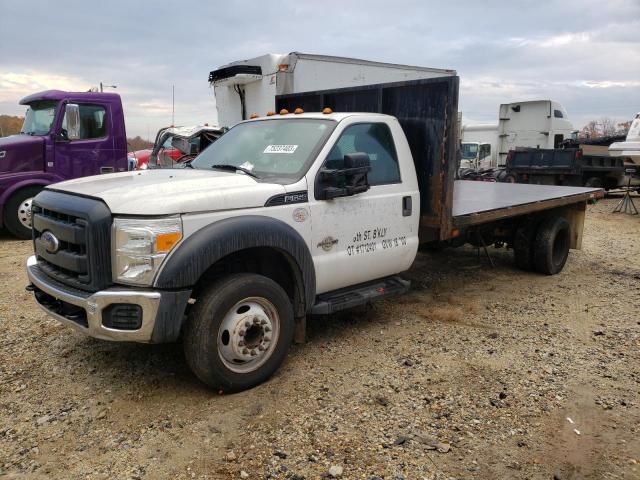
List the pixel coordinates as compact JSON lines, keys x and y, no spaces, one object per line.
{"x":558,"y":114}
{"x":485,"y":150}
{"x":557,"y":140}
{"x":92,"y":122}
{"x":375,"y":140}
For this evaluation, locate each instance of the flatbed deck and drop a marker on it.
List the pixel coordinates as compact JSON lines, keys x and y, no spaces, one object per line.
{"x":480,"y":202}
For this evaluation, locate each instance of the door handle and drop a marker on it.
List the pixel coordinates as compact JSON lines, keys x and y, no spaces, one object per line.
{"x":406,"y":206}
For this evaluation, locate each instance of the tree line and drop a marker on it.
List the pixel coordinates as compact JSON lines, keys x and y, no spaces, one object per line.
{"x":11,"y":125}
{"x":605,"y":127}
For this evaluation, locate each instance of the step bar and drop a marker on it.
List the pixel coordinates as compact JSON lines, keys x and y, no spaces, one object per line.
{"x":361,"y":294}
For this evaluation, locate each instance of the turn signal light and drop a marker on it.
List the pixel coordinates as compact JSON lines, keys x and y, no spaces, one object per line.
{"x":270,"y":113}
{"x":253,"y":115}
{"x":166,"y":241}
{"x":327,"y":110}
{"x":298,"y":111}
{"x":283,"y":67}
{"x":284,"y":111}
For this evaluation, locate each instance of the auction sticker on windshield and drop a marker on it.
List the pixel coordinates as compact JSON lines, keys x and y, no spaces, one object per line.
{"x":280,"y":149}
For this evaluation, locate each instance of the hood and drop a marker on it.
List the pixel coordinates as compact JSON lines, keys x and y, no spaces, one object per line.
{"x":172,"y":191}
{"x":21,"y":153}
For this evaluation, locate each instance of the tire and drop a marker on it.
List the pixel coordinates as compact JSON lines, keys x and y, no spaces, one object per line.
{"x":227,"y":312}
{"x":594,"y":182}
{"x":17,"y":212}
{"x":551,"y":247}
{"x":523,"y":242}
{"x":509,"y":178}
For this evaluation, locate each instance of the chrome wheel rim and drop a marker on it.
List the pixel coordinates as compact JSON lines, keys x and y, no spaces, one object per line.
{"x":248,"y":334}
{"x":24,"y":213}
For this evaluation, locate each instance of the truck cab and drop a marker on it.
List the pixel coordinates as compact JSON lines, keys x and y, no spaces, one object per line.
{"x":476,"y":155}
{"x":532,"y":124}
{"x":314,"y":203}
{"x":65,"y":135}
{"x":175,"y":145}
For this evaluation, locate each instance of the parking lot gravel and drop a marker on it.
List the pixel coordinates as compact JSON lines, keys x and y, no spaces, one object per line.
{"x":475,"y":373}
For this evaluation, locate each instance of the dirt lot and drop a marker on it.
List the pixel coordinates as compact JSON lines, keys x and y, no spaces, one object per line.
{"x":476,"y":373}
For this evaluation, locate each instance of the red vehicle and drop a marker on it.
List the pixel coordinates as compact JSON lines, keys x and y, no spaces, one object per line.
{"x":175,"y":145}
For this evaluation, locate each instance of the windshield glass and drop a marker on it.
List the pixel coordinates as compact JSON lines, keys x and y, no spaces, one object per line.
{"x":39,"y":117}
{"x":277,"y":150}
{"x":469,"y":151}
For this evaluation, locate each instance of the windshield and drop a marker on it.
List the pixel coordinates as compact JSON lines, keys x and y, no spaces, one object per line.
{"x":39,"y":117}
{"x":469,"y":151}
{"x":277,"y":150}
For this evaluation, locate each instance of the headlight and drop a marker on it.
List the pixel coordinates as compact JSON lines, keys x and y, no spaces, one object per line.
{"x":140,"y":246}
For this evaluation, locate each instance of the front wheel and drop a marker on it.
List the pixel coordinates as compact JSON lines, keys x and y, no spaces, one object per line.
{"x":17,"y":212}
{"x":239,"y":332}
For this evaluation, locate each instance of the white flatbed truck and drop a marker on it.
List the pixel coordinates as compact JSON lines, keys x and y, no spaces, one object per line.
{"x":282,"y":217}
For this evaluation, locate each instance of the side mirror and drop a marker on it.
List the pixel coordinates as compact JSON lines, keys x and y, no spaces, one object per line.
{"x":72,"y":114}
{"x":349,"y":180}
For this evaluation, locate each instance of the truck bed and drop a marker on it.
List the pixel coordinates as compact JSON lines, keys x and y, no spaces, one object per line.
{"x":479,"y":202}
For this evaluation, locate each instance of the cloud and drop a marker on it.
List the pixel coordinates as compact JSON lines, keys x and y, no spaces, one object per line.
{"x":15,"y":84}
{"x":585,"y":54}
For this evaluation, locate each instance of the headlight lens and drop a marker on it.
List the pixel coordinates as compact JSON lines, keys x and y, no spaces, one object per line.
{"x":140,"y":246}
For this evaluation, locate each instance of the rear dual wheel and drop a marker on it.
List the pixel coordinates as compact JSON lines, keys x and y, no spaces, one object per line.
{"x":239,"y":332}
{"x":543,"y":246}
{"x":551,"y":248}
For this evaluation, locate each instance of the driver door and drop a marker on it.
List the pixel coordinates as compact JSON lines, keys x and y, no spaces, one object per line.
{"x":369,"y":235}
{"x":93,"y":153}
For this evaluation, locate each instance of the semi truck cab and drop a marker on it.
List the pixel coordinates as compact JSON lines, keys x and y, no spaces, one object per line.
{"x":65,"y":135}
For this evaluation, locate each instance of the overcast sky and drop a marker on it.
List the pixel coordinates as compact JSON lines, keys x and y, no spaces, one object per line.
{"x":584,"y":54}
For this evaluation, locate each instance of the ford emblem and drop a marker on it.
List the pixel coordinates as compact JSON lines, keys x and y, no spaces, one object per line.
{"x":50,"y":241}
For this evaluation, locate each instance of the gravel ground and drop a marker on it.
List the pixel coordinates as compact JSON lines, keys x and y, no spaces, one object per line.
{"x":476,"y":373}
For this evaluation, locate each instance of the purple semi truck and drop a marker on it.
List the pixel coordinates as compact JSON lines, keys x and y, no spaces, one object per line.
{"x":65,"y":135}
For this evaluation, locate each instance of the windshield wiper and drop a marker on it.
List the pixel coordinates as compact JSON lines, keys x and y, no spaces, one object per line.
{"x":225,"y":166}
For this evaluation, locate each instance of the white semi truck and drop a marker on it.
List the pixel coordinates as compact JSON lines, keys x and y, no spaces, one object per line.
{"x":534,"y":124}
{"x":283,"y":216}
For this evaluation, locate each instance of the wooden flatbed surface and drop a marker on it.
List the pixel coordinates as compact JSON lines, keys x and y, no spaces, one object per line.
{"x":479,"y":202}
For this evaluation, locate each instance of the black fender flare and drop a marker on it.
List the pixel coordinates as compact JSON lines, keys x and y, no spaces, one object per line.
{"x":205,"y":247}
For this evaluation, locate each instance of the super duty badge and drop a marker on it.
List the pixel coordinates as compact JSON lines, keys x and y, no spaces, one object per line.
{"x":287,"y":198}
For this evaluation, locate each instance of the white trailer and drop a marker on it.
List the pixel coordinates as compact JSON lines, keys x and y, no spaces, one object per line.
{"x":531,"y":124}
{"x":250,"y":86}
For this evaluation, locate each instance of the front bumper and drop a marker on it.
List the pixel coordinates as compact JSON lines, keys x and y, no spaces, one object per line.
{"x":162,"y":311}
